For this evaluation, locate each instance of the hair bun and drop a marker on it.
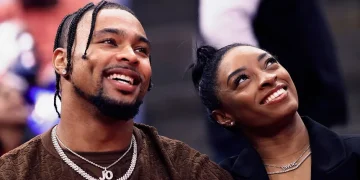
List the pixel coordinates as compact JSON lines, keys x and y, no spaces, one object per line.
{"x":204,"y":54}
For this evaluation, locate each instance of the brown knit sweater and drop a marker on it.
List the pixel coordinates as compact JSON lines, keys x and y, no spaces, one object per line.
{"x":158,"y":158}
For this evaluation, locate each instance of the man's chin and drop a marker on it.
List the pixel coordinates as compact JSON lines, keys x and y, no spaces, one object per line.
{"x":118,"y":110}
{"x":121,"y":108}
{"x":123,"y":101}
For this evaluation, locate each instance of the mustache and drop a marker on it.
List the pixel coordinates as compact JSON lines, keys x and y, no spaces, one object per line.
{"x":121,"y":66}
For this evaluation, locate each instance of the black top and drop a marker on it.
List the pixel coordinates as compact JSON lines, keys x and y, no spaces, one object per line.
{"x":332,"y":157}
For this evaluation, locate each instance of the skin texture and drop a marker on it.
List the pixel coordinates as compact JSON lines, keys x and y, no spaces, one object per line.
{"x":123,"y":47}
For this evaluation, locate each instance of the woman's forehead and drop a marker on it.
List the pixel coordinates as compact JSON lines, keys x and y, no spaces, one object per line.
{"x":242,"y":53}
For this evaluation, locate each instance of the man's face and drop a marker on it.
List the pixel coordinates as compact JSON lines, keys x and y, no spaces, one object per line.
{"x":116,"y":74}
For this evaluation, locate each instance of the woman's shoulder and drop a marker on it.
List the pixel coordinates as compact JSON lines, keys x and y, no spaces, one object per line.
{"x":352,"y":143}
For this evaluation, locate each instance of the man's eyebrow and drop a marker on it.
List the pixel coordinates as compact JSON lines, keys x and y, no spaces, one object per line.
{"x":144,"y":40}
{"x":109,"y":31}
{"x":140,"y":38}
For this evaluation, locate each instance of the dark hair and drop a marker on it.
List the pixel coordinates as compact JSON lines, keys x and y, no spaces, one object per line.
{"x":66,"y":34}
{"x":204,"y":73}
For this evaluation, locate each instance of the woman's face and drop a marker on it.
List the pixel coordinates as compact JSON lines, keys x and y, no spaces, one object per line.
{"x":254,"y":89}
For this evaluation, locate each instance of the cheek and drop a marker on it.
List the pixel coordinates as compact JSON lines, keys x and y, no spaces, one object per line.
{"x":84,"y":69}
{"x":284,"y":75}
{"x":86,"y":74}
{"x":241,"y":104}
{"x":145,"y":69}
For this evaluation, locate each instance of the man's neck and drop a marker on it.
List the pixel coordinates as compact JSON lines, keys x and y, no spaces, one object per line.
{"x":84,"y":129}
{"x":286,"y":144}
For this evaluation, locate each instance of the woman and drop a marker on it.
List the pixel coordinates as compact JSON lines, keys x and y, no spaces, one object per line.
{"x":246,"y":90}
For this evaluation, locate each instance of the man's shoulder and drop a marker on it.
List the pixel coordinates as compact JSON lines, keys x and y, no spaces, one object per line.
{"x":177,"y":147}
{"x":177,"y":155}
{"x":192,"y":161}
{"x":178,"y":151}
{"x":171,"y":146}
{"x":20,"y":154}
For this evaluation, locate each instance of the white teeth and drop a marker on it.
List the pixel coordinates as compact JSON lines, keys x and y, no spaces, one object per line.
{"x":120,"y":77}
{"x":123,"y":82}
{"x":275,"y":95}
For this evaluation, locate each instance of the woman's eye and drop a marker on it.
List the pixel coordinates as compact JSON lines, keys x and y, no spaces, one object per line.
{"x":270,"y":61}
{"x":241,"y":79}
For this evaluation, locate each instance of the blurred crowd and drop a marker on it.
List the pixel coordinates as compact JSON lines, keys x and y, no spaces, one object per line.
{"x":27,"y":31}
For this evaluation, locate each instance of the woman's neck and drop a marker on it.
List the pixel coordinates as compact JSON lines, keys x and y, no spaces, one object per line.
{"x":284,"y":144}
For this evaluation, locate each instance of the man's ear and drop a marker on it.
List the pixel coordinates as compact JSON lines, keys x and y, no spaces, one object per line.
{"x":60,"y":61}
{"x":222,"y":118}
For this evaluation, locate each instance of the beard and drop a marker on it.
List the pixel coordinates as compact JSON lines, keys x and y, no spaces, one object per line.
{"x":111,"y":108}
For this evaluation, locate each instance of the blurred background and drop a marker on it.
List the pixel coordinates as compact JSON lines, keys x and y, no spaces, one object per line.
{"x":28,"y":28}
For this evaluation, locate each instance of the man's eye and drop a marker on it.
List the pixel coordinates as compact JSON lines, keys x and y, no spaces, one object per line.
{"x":109,"y":41}
{"x":142,"y":50}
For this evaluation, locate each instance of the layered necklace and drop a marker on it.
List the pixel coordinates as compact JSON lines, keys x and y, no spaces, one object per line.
{"x":106,"y":174}
{"x":291,"y":166}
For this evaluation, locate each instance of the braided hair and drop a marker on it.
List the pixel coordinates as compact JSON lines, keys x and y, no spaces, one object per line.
{"x":66,"y":34}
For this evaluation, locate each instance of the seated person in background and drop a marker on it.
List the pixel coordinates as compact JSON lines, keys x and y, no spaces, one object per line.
{"x":13,"y":113}
{"x":246,"y":90}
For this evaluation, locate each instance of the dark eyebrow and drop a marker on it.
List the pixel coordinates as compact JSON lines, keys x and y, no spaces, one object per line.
{"x":144,"y":40}
{"x":122,"y":33}
{"x":261,"y":56}
{"x":109,"y":31}
{"x":234,"y":73}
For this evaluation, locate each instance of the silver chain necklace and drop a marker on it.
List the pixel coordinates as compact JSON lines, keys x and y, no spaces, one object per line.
{"x":106,"y":174}
{"x":81,"y":157}
{"x":291,"y":166}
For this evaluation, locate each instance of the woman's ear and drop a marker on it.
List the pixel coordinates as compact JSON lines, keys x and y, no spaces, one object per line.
{"x":222,"y":118}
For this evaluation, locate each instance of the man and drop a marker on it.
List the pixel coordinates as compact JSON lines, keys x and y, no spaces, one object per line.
{"x":102,"y":63}
{"x":297,"y":33}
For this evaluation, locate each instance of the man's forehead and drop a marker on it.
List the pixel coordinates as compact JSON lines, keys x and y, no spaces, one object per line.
{"x":112,"y":18}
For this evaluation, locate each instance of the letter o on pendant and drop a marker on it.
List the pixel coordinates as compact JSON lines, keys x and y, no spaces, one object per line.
{"x":108,"y":175}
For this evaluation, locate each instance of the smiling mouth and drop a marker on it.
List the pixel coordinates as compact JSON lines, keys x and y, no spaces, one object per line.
{"x":274,"y":96}
{"x":121,"y":78}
